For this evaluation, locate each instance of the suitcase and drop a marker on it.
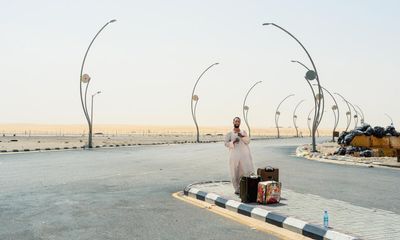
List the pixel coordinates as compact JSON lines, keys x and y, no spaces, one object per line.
{"x":268,"y":174}
{"x":248,"y":188}
{"x":269,"y":192}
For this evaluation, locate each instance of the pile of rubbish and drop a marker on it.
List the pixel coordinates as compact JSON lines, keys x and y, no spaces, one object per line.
{"x":350,"y":150}
{"x":345,"y":139}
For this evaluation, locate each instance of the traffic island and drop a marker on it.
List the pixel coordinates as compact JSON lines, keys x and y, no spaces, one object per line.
{"x":286,"y":214}
{"x":326,"y":153}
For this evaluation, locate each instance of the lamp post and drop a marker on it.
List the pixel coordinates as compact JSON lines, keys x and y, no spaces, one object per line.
{"x":336,"y":115}
{"x":334,"y":108}
{"x":246,"y":108}
{"x":85,"y":79}
{"x":295,"y":117}
{"x":308,"y":122}
{"x":391,"y":120}
{"x":362,"y":120}
{"x":355,"y":115}
{"x":195,"y":98}
{"x":315,"y":96}
{"x":91,"y":111}
{"x":277,"y":113}
{"x":310,"y":75}
{"x":348,"y":113}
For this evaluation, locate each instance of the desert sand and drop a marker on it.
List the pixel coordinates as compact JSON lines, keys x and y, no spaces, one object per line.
{"x":20,"y":137}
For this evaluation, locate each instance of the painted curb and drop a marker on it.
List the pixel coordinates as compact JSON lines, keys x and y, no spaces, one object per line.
{"x":289,"y":223}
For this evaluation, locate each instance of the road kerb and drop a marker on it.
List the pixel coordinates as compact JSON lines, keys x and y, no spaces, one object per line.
{"x":280,"y":221}
{"x":250,"y":222}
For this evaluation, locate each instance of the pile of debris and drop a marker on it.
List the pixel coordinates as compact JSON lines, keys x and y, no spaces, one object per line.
{"x":345,"y":139}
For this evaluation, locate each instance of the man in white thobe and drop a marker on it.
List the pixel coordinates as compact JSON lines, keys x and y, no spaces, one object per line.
{"x":240,"y":161}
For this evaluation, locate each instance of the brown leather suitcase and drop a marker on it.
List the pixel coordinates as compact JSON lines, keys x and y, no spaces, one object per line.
{"x":268,"y":174}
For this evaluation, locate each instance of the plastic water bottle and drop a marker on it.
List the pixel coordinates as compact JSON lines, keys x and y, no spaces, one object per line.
{"x":326,"y":219}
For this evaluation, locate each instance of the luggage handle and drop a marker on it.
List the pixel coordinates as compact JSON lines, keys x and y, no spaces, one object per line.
{"x":253,"y":176}
{"x":269,"y":169}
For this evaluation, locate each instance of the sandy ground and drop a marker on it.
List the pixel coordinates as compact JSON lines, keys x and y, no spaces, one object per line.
{"x":15,"y":137}
{"x":326,"y":150}
{"x":10,"y":143}
{"x":35,"y":143}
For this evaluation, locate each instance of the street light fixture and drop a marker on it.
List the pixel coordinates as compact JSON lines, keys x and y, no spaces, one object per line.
{"x":391,"y":120}
{"x":310,"y":75}
{"x":295,"y":117}
{"x":309,"y":121}
{"x":246,"y":108}
{"x":85,"y":79}
{"x":195,"y":98}
{"x":348,"y":113}
{"x":335,"y":108}
{"x":355,"y":115}
{"x":277,"y":114}
{"x":91,"y":112}
{"x":362,"y":120}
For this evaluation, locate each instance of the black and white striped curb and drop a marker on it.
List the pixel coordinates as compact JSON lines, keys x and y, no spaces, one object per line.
{"x":289,"y":223}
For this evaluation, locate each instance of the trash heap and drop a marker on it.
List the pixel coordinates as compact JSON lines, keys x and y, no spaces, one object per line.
{"x":345,"y":139}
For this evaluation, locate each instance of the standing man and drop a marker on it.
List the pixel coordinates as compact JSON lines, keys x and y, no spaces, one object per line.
{"x":240,"y":161}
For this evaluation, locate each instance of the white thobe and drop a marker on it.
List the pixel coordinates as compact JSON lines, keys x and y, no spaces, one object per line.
{"x":240,"y":161}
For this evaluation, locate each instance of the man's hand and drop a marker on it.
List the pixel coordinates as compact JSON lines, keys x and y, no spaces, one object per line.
{"x":236,"y":140}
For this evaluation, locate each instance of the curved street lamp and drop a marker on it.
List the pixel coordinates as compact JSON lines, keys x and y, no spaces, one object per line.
{"x":295,"y":117}
{"x":310,"y":75}
{"x":277,"y":113}
{"x":316,"y":97}
{"x":308,"y":122}
{"x":246,"y":108}
{"x":362,"y":120}
{"x":91,"y":112}
{"x":335,"y":108}
{"x":195,"y":98}
{"x":355,"y":115}
{"x":85,"y":79}
{"x":391,"y":120}
{"x":348,"y":113}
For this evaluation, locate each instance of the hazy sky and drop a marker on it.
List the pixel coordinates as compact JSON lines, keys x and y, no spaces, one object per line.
{"x":148,"y":61}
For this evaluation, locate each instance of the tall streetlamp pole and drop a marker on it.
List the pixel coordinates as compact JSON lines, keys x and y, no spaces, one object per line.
{"x":336,"y":115}
{"x":316,"y":97}
{"x":310,"y":75}
{"x":308,"y":122}
{"x":246,"y":108}
{"x":391,"y":120}
{"x":195,"y":98}
{"x":85,"y":79}
{"x":277,"y":113}
{"x":362,"y":120}
{"x":91,"y":111}
{"x":355,"y":115}
{"x":295,"y":117}
{"x":348,"y":113}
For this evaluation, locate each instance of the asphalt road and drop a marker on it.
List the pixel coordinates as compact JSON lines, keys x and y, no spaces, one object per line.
{"x":125,"y":193}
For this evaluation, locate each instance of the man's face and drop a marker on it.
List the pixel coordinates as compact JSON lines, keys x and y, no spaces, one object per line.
{"x":236,"y":122}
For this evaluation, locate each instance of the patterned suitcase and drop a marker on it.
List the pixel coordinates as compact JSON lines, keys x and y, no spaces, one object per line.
{"x":269,"y":192}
